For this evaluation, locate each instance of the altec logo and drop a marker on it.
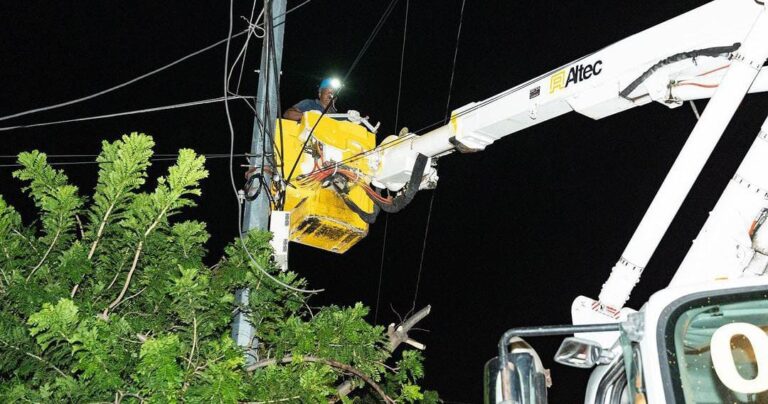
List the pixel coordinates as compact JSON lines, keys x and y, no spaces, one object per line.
{"x":576,"y":74}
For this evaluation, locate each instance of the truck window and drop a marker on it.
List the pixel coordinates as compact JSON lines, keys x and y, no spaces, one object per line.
{"x":718,"y":349}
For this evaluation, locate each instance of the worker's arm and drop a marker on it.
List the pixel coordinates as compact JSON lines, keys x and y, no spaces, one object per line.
{"x":293,"y":114}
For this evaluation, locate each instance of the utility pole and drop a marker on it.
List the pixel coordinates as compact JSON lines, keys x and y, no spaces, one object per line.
{"x":257,"y":211}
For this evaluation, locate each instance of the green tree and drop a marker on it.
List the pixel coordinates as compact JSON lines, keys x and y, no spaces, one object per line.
{"x":107,"y":299}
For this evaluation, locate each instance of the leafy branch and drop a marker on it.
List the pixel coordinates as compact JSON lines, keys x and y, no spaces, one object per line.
{"x":171,"y":194}
{"x":328,"y":362}
{"x":171,"y":341}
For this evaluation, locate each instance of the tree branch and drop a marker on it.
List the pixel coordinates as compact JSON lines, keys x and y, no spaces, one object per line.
{"x":80,"y":226}
{"x":45,"y":256}
{"x":31,"y":355}
{"x":112,"y":305}
{"x":194,"y":341}
{"x":25,"y":239}
{"x":105,"y":313}
{"x":280,"y":400}
{"x":398,"y":335}
{"x":334,"y":364}
{"x":100,"y":231}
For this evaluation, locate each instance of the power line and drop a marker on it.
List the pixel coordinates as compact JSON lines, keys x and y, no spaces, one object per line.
{"x":360,"y":54}
{"x":287,"y":12}
{"x":423,"y":250}
{"x":381,"y":268}
{"x":370,"y":39}
{"x":432,"y":198}
{"x":402,"y":60}
{"x":397,"y":114}
{"x":117,"y":114}
{"x":455,"y":55}
{"x":170,"y":157}
{"x":232,"y":174}
{"x":292,"y":9}
{"x":244,"y":50}
{"x":97,"y":155}
{"x":129,"y":82}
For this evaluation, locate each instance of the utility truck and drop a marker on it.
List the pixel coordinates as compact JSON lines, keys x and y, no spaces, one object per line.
{"x":702,"y":339}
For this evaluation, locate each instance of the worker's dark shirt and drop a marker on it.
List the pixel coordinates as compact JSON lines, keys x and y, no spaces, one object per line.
{"x":313,"y":105}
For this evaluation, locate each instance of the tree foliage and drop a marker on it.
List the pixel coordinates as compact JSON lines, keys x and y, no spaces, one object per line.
{"x":107,"y":299}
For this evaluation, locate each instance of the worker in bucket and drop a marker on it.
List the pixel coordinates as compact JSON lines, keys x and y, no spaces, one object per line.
{"x":324,"y":102}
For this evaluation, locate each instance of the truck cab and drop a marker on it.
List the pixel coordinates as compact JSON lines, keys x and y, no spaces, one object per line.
{"x":699,"y":343}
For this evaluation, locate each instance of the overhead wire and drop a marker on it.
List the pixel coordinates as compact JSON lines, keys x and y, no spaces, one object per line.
{"x":124,"y":113}
{"x":292,"y":9}
{"x":129,"y":82}
{"x":266,"y":132}
{"x":231,"y":169}
{"x":244,"y":51}
{"x":423,"y":251}
{"x":277,"y":77}
{"x":432,"y":197}
{"x":288,"y":12}
{"x":169,"y":157}
{"x":381,"y":269}
{"x":351,"y":68}
{"x":453,"y":68}
{"x":402,"y":59}
{"x":370,"y":39}
{"x":397,"y":115}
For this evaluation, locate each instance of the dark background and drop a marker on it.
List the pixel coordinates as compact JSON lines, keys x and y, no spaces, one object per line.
{"x":516,"y":232}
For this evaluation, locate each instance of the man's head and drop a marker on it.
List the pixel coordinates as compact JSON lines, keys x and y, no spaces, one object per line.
{"x":327,"y":90}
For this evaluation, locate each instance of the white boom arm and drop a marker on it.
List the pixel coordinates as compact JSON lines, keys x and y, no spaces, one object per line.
{"x":716,"y":50}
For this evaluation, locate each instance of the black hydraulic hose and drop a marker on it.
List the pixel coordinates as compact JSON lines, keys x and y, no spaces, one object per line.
{"x":712,"y":52}
{"x":399,"y":202}
{"x":402,"y":200}
{"x":369,"y":218}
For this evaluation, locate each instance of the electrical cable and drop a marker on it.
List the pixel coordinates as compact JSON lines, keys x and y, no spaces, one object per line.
{"x":432,"y":197}
{"x":276,"y":75}
{"x":423,"y":250}
{"x":430,"y":126}
{"x":89,"y":162}
{"x":695,"y":110}
{"x":360,"y":54}
{"x":129,"y":82}
{"x":215,"y":155}
{"x":381,"y":268}
{"x":397,"y":115}
{"x":261,"y":269}
{"x":232,"y":174}
{"x":292,"y":9}
{"x":370,"y":39}
{"x":13,"y":156}
{"x":265,"y":111}
{"x":244,"y":51}
{"x":716,"y":51}
{"x":474,"y":108}
{"x":453,"y":67}
{"x":288,"y":12}
{"x":402,"y":59}
{"x":117,"y":114}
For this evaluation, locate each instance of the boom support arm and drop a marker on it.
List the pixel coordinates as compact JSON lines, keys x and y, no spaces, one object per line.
{"x":685,"y":58}
{"x":682,"y":59}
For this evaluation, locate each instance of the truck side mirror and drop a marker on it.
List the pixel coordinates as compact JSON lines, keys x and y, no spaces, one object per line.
{"x":582,"y":353}
{"x":526,"y":378}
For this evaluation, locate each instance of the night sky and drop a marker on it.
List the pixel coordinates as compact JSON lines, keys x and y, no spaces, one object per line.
{"x":516,"y":232}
